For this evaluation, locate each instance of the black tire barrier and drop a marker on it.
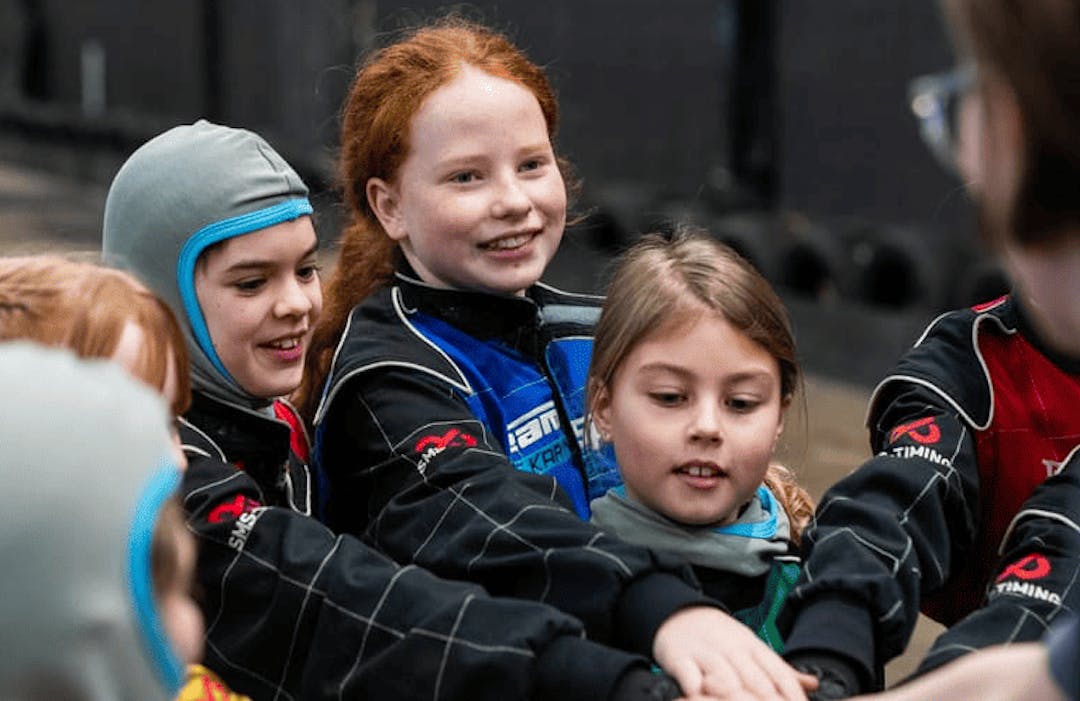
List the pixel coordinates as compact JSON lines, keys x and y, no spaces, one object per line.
{"x":610,"y":215}
{"x":900,"y":268}
{"x":812,"y":262}
{"x":890,"y":267}
{"x":757,"y":236}
{"x":982,"y":280}
{"x":665,"y":215}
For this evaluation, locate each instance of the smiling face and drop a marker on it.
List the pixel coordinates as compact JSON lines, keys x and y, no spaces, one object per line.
{"x":694,"y":412}
{"x":260,"y":296}
{"x":479,"y":202}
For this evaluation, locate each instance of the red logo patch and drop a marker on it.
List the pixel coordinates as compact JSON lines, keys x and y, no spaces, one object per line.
{"x":452,"y":438}
{"x":232,"y":510}
{"x":1030,"y":567}
{"x":924,"y":431}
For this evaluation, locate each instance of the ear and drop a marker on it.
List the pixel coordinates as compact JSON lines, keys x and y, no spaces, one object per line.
{"x":385,"y":200}
{"x":600,"y":409}
{"x":785,"y":404}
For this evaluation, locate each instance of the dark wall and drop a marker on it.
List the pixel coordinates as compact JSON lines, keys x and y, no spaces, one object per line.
{"x":284,"y":67}
{"x":275,"y":66}
{"x":695,"y":106}
{"x":152,"y":49}
{"x":642,"y":84}
{"x":848,"y":141}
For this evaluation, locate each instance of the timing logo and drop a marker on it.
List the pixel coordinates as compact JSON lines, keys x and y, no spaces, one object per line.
{"x":923,"y":431}
{"x":1019,"y":579}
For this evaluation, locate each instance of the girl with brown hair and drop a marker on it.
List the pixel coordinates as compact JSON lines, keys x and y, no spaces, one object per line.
{"x":693,"y":370}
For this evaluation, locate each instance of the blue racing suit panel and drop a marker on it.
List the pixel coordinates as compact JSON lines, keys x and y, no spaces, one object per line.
{"x":515,"y":401}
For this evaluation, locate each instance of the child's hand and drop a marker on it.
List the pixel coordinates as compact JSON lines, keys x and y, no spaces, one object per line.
{"x":713,"y":655}
{"x":998,"y":673}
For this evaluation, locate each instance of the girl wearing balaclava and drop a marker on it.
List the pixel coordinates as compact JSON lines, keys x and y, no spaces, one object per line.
{"x":219,"y":225}
{"x":89,"y":476}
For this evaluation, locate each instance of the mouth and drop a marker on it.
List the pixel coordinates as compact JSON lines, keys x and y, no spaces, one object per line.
{"x":287,"y":343}
{"x":510,"y":242}
{"x":286,"y":349}
{"x":704,"y":470}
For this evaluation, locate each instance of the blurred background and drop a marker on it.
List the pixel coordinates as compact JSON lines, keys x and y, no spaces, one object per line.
{"x":781,"y":125}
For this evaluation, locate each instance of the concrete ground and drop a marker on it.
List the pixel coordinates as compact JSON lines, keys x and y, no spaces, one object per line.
{"x":43,"y":211}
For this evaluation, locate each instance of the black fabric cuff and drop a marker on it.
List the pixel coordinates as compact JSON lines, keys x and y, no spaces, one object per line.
{"x":576,"y":669}
{"x":838,"y":626}
{"x":838,"y":676}
{"x":649,"y":601}
{"x":644,"y":684}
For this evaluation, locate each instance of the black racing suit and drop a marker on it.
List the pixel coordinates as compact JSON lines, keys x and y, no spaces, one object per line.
{"x":296,"y":612}
{"x":462,"y":510}
{"x":974,"y":417}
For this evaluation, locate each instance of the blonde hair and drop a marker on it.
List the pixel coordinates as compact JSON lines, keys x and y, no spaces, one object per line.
{"x":85,"y":307}
{"x":664,"y":281}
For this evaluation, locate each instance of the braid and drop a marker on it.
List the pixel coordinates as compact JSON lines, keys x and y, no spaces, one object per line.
{"x":796,"y":501}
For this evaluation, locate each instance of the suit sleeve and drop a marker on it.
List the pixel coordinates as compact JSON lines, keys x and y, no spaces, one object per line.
{"x":413,"y":470}
{"x":294,"y":611}
{"x":889,"y":532}
{"x":1063,"y":644}
{"x":1036,"y":583}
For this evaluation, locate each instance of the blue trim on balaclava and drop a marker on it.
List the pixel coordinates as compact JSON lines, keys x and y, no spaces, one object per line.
{"x":215,"y":233}
{"x":161,"y":487}
{"x":180,"y":192}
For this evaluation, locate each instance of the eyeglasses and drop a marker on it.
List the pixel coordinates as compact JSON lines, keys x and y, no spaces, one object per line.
{"x":935,"y":100}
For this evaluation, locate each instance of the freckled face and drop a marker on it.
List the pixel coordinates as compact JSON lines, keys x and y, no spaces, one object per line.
{"x":260,"y":297}
{"x":479,"y":202}
{"x":694,"y":412}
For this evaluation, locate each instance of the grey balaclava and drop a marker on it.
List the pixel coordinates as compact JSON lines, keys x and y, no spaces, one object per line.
{"x":86,"y":466}
{"x":181,"y":192}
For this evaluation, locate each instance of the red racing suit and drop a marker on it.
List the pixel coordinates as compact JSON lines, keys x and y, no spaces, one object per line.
{"x":972,"y":420}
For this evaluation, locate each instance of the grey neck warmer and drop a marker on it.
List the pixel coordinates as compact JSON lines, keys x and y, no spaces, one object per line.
{"x":182,"y":192}
{"x":84,"y":452}
{"x":744,"y":547}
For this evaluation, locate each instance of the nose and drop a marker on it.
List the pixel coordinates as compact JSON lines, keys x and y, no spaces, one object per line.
{"x":705,"y":426}
{"x":293,"y":300}
{"x":511,"y":199}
